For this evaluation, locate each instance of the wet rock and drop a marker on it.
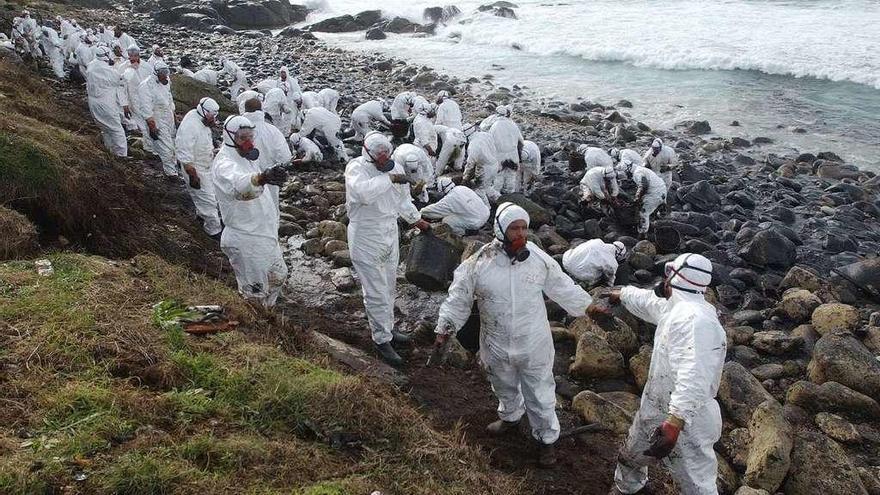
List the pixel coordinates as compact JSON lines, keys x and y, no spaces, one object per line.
{"x":748,"y":317}
{"x":820,"y":465}
{"x":835,"y":317}
{"x":639,"y":365}
{"x":403,"y":25}
{"x":801,"y":277}
{"x":842,"y":358}
{"x":187,"y":93}
{"x":258,"y":13}
{"x":342,"y":279}
{"x":347,"y":23}
{"x":499,"y":9}
{"x":740,"y":393}
{"x":838,"y":428}
{"x":695,"y":127}
{"x":769,"y":248}
{"x":735,"y":445}
{"x":728,"y":295}
{"x":612,"y":410}
{"x":864,"y":274}
{"x":313,"y":247}
{"x":832,"y":397}
{"x":333,"y":230}
{"x":441,"y":15}
{"x":775,"y":342}
{"x":728,"y":478}
{"x":292,"y":32}
{"x":286,"y":229}
{"x":770,"y":371}
{"x":333,"y":246}
{"x":596,"y":358}
{"x":770,"y":444}
{"x":645,"y":247}
{"x":375,"y":34}
{"x":870,"y":479}
{"x":341,"y":258}
{"x":431,"y":261}
{"x":740,"y":335}
{"x":747,"y":490}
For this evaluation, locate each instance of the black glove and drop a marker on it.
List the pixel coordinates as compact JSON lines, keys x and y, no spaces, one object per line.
{"x":663,"y":439}
{"x":509,"y":164}
{"x":195,"y":182}
{"x":154,"y":133}
{"x":276,"y":176}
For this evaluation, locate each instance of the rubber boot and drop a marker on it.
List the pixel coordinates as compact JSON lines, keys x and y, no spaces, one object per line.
{"x":547,"y":455}
{"x":388,"y":354}
{"x":500,"y":427}
{"x":400,"y":338}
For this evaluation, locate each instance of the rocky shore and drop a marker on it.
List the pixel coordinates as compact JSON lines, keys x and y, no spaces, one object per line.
{"x":794,"y":241}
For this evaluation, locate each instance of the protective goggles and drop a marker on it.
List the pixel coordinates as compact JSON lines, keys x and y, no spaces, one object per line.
{"x":669,"y":271}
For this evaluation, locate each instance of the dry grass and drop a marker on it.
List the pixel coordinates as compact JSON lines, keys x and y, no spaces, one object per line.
{"x":90,"y":384}
{"x":18,"y":236}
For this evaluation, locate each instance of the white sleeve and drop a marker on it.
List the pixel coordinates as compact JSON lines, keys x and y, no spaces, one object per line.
{"x":236,"y":184}
{"x":643,"y":303}
{"x":365,"y":189}
{"x":439,"y":209}
{"x":405,"y":207}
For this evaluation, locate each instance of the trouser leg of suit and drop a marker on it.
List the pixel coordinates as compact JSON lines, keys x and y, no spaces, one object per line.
{"x":526,"y":389}
{"x":456,"y":223}
{"x":164,"y":146}
{"x":361,"y":126}
{"x":374,"y":255}
{"x":649,"y":205}
{"x":141,"y":125}
{"x":692,"y":463}
{"x":57,"y":62}
{"x":334,"y":141}
{"x":259,"y":266}
{"x":108,"y":119}
{"x":205,"y":202}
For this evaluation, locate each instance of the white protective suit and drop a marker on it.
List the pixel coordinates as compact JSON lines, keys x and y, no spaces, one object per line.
{"x":290,"y":85}
{"x":195,"y":147}
{"x":250,"y":236}
{"x":516,"y":347}
{"x":423,"y":131}
{"x":207,"y":76}
{"x":238,"y":76}
{"x":417,"y":165}
{"x":53,"y":48}
{"x":402,"y":105}
{"x":654,"y":194}
{"x":452,"y":144}
{"x":156,"y":102}
{"x":686,"y":364}
{"x":374,"y":203}
{"x":106,"y":91}
{"x":305,"y":149}
{"x":328,"y":124}
{"x":83,"y":56}
{"x":134,"y":75}
{"x":329,"y":99}
{"x":595,"y":157}
{"x":274,"y":150}
{"x":31,"y":33}
{"x":508,"y":138}
{"x":599,"y":183}
{"x":310,"y":100}
{"x":155,"y":58}
{"x":448,"y":113}
{"x":593,"y":261}
{"x":364,"y":115}
{"x":244,"y":96}
{"x":482,"y":166}
{"x":460,"y":207}
{"x":279,"y":110}
{"x":632,"y":155}
{"x":660,"y":164}
{"x":529,"y":172}
{"x":124,"y":40}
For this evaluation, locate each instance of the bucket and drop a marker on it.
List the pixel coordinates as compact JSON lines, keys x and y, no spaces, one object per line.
{"x":430,"y":262}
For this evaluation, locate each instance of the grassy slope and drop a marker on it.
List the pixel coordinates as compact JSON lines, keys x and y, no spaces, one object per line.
{"x":90,"y":383}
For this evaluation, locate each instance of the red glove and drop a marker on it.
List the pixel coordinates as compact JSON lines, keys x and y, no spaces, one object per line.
{"x":664,"y":438}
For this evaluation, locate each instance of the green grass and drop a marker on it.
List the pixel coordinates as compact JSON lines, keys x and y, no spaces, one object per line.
{"x":140,"y":473}
{"x":27,"y":165}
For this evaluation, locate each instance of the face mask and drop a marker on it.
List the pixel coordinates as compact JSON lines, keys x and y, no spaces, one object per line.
{"x":247,"y":150}
{"x":655,"y":151}
{"x":516,"y":250}
{"x":388,"y":166}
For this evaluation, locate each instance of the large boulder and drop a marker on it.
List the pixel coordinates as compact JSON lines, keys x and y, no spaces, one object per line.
{"x":798,"y":304}
{"x":864,"y":274}
{"x":701,"y":195}
{"x":333,"y":230}
{"x":251,"y":14}
{"x":403,"y":25}
{"x":347,"y":23}
{"x":740,"y":393}
{"x":770,"y":442}
{"x":842,"y":358}
{"x":838,"y":428}
{"x":441,"y":15}
{"x":776,"y":342}
{"x":832,"y":397}
{"x":820,"y":465}
{"x":595,"y":358}
{"x":769,"y":248}
{"x":640,"y":364}
{"x":835,"y":317}
{"x":612,"y":410}
{"x":188,"y":92}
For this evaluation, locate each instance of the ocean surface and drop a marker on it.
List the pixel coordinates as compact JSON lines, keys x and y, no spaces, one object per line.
{"x":774,"y":66}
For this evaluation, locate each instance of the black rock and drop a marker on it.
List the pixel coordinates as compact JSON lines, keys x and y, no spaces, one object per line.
{"x":701,"y":195}
{"x":441,"y":15}
{"x":839,"y":244}
{"x":769,"y":248}
{"x":740,"y":142}
{"x":806,"y":158}
{"x":827,"y":155}
{"x":375,"y":34}
{"x":695,"y":127}
{"x":744,"y":159}
{"x":728,"y":295}
{"x":762,"y":140}
{"x":403,"y":25}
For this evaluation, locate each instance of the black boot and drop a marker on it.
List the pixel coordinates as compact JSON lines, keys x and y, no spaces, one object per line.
{"x":389,"y":355}
{"x":500,"y":427}
{"x":400,"y":338}
{"x":547,"y":455}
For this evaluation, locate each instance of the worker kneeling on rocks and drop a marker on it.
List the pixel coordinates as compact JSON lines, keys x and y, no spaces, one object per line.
{"x":600,"y":184}
{"x":594,"y":261}
{"x":650,"y":194}
{"x":509,"y":277}
{"x":678,"y":420}
{"x":376,"y":194}
{"x":460,"y":207}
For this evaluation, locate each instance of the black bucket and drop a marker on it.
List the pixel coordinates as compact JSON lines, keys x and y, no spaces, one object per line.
{"x":666,"y":239}
{"x":400,"y":128}
{"x":430,"y":262}
{"x":469,"y":335}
